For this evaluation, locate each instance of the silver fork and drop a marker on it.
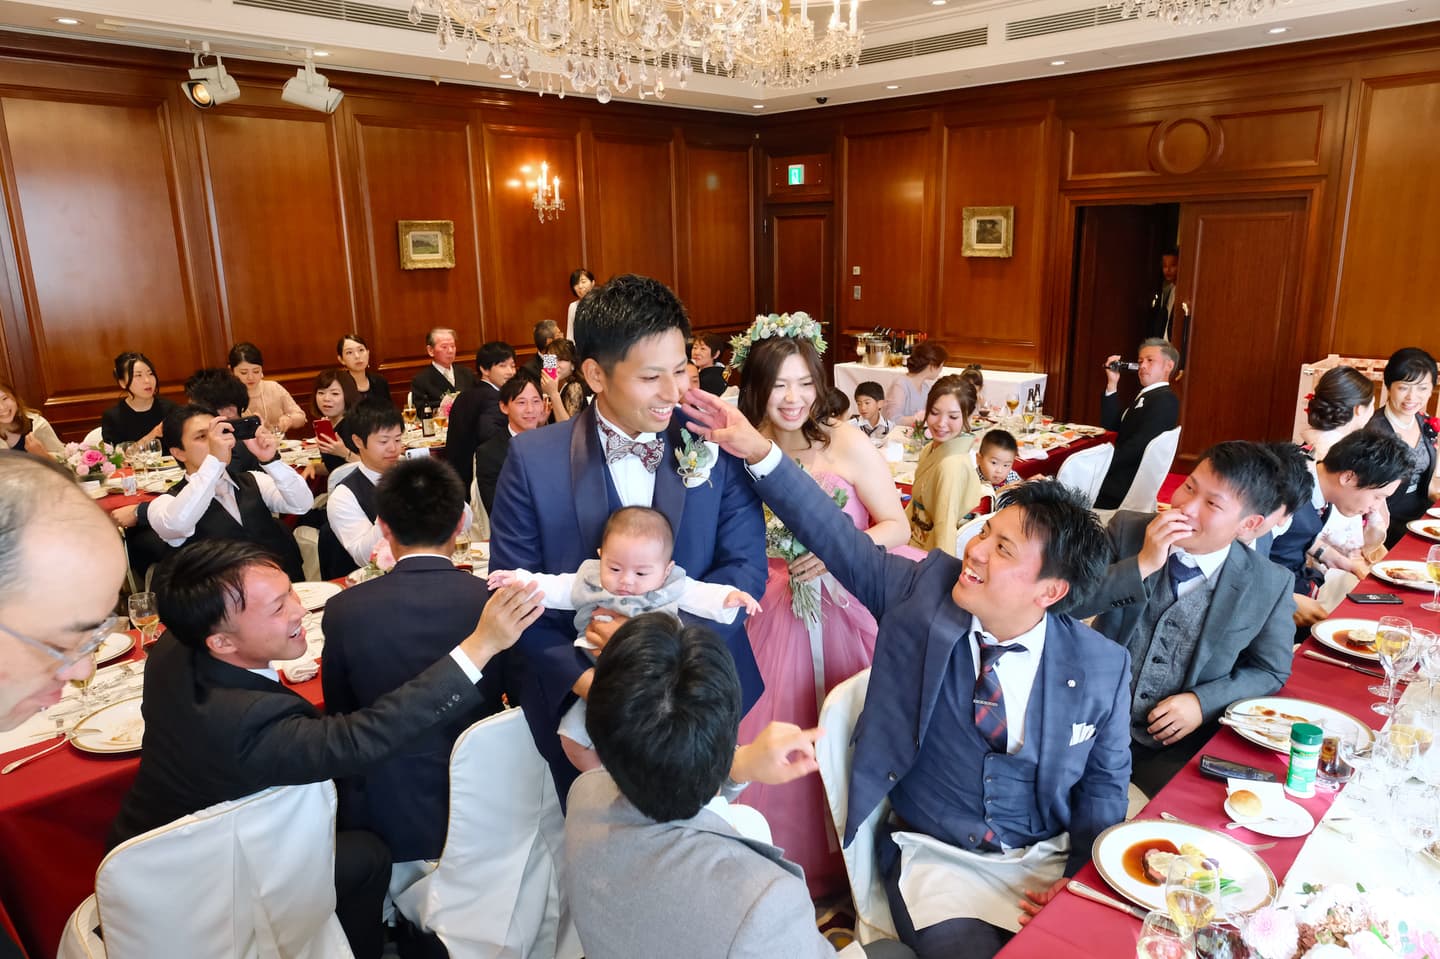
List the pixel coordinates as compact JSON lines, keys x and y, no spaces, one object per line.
{"x":65,"y":738}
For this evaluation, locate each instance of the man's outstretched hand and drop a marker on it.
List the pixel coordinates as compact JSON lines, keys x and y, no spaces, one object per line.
{"x":715,"y":420}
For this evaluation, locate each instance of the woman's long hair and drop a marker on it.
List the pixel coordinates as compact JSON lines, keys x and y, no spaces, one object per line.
{"x":762,"y":368}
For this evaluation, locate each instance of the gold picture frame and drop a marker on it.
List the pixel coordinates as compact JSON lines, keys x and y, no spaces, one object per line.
{"x":988,"y":231}
{"x":427,"y":244}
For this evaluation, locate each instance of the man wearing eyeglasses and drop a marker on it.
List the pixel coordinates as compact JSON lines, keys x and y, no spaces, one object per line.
{"x":62,"y":565}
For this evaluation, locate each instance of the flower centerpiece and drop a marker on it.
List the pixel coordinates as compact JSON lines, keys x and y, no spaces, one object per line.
{"x":446,"y":402}
{"x":93,"y":461}
{"x":1341,"y":922}
{"x":780,"y":543}
{"x":382,"y":560}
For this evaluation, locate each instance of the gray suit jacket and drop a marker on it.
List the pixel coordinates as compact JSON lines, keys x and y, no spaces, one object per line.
{"x":692,"y":888}
{"x":1247,"y":643}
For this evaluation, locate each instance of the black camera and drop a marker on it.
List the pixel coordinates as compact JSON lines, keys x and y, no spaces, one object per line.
{"x":1121,"y":366}
{"x":245,"y":426}
{"x":822,"y":100}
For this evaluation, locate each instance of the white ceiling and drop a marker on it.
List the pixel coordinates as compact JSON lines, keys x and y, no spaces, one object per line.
{"x":259,"y":34}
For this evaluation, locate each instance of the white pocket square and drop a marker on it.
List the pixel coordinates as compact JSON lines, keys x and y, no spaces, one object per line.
{"x":1081,"y":732}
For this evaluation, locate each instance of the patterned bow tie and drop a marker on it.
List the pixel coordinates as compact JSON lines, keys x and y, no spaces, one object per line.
{"x":618,"y":446}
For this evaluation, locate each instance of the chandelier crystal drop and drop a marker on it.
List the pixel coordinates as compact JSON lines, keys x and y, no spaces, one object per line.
{"x":615,"y":46}
{"x":1192,"y":12}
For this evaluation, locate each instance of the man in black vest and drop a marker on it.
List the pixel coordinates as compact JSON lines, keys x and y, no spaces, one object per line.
{"x":350,"y":533}
{"x":212,"y":503}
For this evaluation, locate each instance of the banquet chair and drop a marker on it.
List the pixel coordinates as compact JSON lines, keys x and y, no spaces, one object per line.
{"x":496,"y":891}
{"x":834,"y":752}
{"x":967,"y":532}
{"x":92,"y":438}
{"x":268,"y":886}
{"x":1085,"y":471}
{"x":1154,"y":467}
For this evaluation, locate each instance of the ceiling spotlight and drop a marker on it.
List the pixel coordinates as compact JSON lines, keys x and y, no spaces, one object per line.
{"x":209,"y":86}
{"x":322,"y":53}
{"x":1278,"y":30}
{"x":67,"y":21}
{"x":1058,"y":63}
{"x":757,"y":106}
{"x":311,"y":90}
{"x":892,"y":86}
{"x":937,"y":3}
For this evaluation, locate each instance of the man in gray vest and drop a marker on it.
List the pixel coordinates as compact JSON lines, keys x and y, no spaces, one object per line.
{"x":1206,"y":621}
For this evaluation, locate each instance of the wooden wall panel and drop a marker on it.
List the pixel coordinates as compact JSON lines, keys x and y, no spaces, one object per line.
{"x":1388,"y":284}
{"x":530,"y":260}
{"x":885,"y":225}
{"x":633,"y":221}
{"x":94,"y":189}
{"x":989,"y":309}
{"x":801,"y":250}
{"x":719,"y":274}
{"x":278,"y":222}
{"x":418,"y":170}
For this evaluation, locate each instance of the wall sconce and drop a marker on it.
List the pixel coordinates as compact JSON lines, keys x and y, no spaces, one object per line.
{"x":547,"y":200}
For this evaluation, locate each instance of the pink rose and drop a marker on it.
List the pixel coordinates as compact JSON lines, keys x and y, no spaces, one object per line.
{"x":92,"y":457}
{"x":106,"y":468}
{"x":382,"y":557}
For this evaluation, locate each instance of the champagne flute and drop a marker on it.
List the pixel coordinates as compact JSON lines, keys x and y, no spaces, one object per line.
{"x":1432,"y":566}
{"x":409,"y":414}
{"x":1413,"y":727}
{"x":1160,"y":938}
{"x":1192,"y":894}
{"x":1414,"y":823}
{"x":84,"y":685}
{"x":1391,"y":641}
{"x":144,"y":616}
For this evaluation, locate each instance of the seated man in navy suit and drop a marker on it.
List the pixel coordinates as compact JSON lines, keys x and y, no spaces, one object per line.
{"x":997,"y":726}
{"x":1206,"y":621}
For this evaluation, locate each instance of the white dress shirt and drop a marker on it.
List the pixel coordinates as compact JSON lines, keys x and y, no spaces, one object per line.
{"x":634,"y":484}
{"x":1208,"y":563}
{"x":356,"y":532}
{"x":173,"y":518}
{"x":1016,"y":671}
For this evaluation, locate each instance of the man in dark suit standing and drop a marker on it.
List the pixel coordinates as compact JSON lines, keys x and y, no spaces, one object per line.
{"x":561,"y":483}
{"x":432,"y":605}
{"x":524,"y":410}
{"x":475,"y":415}
{"x":993,"y":720}
{"x":1206,"y":621}
{"x":1160,"y":322}
{"x":1155,"y":410}
{"x":442,"y":375}
{"x":219,"y":725}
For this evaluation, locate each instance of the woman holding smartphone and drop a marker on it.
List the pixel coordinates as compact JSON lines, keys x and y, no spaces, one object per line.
{"x":335,"y":395}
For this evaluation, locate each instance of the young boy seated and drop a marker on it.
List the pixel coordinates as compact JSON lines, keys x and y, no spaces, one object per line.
{"x":869,"y":400}
{"x":633,"y":575}
{"x":993,"y":461}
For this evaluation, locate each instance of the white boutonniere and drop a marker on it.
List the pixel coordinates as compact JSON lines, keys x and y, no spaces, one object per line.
{"x":695,"y":458}
{"x":1140,"y":403}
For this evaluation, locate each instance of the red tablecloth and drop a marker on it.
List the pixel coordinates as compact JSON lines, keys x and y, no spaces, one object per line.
{"x":1071,"y":926}
{"x":1050,"y":465}
{"x":54,"y":816}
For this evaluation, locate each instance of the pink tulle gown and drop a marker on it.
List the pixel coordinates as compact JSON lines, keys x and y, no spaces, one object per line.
{"x":798,"y":815}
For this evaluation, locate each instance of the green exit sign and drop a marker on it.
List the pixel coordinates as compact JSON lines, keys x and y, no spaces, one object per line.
{"x":797,"y":174}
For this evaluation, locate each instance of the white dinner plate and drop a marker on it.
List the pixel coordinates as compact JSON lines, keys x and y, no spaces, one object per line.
{"x":1236,"y":860}
{"x":1425,"y":528}
{"x":1418,"y":578}
{"x":118,"y":728}
{"x":1329,"y":633}
{"x":1283,"y":819}
{"x":113,"y":646}
{"x":1284,"y":711}
{"x":1433,"y":511}
{"x":314,"y":596}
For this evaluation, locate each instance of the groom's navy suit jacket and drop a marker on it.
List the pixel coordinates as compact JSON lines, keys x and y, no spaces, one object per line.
{"x":551,"y":504}
{"x":1081,"y":691}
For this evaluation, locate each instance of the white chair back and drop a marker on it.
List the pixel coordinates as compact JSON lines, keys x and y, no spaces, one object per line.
{"x":92,"y":438}
{"x":1085,"y":471}
{"x":1154,"y":467}
{"x":834,"y":751}
{"x":496,"y":891}
{"x":341,"y":471}
{"x":268,"y":887}
{"x":480,"y":521}
{"x":967,"y":532}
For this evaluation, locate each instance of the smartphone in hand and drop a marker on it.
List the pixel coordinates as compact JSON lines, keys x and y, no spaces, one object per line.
{"x":550,"y":365}
{"x":324,"y":429}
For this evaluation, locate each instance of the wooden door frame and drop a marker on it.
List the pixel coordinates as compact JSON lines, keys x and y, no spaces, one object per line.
{"x":1064,"y":258}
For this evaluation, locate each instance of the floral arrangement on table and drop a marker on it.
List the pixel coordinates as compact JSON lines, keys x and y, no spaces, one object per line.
{"x":382,"y":560}
{"x":93,"y":460}
{"x":780,"y":543}
{"x":1341,"y":922}
{"x":799,"y":325}
{"x":446,"y":402}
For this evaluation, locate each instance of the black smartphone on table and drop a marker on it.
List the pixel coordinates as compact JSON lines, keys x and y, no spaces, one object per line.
{"x":1376,"y":599}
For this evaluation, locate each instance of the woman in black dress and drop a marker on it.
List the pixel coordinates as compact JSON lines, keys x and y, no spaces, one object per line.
{"x":137,"y":417}
{"x":335,"y":396}
{"x":354,"y":355}
{"x":1410,"y":378}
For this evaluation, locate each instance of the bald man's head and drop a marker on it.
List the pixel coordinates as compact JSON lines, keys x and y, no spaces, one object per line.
{"x":62,"y":563}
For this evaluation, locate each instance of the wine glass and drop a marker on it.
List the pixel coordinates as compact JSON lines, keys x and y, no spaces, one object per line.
{"x":1392,"y":639}
{"x":1432,"y":566}
{"x":1160,"y":938}
{"x":144,"y":616}
{"x":1192,"y":894}
{"x":1412,"y":727}
{"x":84,"y":684}
{"x":1414,"y":823}
{"x":409,"y":414}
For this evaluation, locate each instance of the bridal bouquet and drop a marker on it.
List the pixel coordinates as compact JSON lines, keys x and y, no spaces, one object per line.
{"x":780,"y":543}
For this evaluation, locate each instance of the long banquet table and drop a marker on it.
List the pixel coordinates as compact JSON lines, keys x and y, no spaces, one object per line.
{"x":1071,"y":926}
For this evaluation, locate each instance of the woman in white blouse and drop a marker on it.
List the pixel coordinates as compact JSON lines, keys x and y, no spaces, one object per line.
{"x":21,"y":429}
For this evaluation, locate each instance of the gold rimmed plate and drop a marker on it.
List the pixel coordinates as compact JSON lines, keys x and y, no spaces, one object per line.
{"x":1272,"y":716}
{"x":1425,"y":528}
{"x":1403,"y":572}
{"x":1118,"y":854}
{"x":113,"y":647}
{"x":114,"y":729}
{"x":1347,"y":636}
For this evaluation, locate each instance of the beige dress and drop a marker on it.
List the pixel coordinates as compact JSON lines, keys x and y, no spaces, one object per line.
{"x":946,"y":488}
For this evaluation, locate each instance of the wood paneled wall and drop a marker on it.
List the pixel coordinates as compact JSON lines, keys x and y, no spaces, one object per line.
{"x":137,"y":222}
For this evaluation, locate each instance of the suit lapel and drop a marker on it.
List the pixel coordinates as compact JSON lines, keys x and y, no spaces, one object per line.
{"x":588,"y":478}
{"x":949,"y":626}
{"x":1224,"y":608}
{"x":669,"y":487}
{"x":212,"y":672}
{"x":1059,"y":689}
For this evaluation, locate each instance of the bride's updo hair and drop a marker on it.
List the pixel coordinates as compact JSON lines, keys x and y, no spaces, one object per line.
{"x":1337,"y":394}
{"x":762,"y":369}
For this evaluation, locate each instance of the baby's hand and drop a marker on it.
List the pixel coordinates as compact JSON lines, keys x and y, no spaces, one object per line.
{"x":500,"y":578}
{"x":739,"y":597}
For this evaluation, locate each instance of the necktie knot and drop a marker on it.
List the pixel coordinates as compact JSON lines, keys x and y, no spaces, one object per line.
{"x":989,"y":699}
{"x":618,"y":446}
{"x":990,"y":652}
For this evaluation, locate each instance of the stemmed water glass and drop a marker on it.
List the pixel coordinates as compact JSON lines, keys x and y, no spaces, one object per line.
{"x":144,"y":616}
{"x":1392,"y":641}
{"x":1414,"y":823}
{"x":1432,"y":566}
{"x":1192,"y":894}
{"x":1161,"y":938}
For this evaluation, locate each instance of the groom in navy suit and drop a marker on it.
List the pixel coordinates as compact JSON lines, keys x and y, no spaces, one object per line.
{"x":993,"y":722}
{"x":560,"y":484}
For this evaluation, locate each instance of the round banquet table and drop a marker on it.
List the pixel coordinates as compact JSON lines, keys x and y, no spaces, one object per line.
{"x":1071,"y":926}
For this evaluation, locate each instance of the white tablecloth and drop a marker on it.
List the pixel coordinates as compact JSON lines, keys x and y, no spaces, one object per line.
{"x":998,"y":383}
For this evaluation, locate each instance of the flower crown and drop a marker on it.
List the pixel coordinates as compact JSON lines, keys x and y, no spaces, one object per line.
{"x":799,"y":325}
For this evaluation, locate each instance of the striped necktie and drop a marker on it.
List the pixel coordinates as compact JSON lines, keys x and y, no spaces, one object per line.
{"x":989,"y":699}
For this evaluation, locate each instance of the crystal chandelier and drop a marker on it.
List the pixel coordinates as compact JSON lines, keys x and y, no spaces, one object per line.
{"x":613,"y":46}
{"x":547,"y":200}
{"x":1191,"y":12}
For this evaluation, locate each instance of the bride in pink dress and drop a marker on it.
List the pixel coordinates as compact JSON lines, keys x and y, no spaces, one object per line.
{"x":803,"y":660}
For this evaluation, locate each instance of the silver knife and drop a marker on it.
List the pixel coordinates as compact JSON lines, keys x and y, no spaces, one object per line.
{"x":1085,"y":892}
{"x":1311,"y":654}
